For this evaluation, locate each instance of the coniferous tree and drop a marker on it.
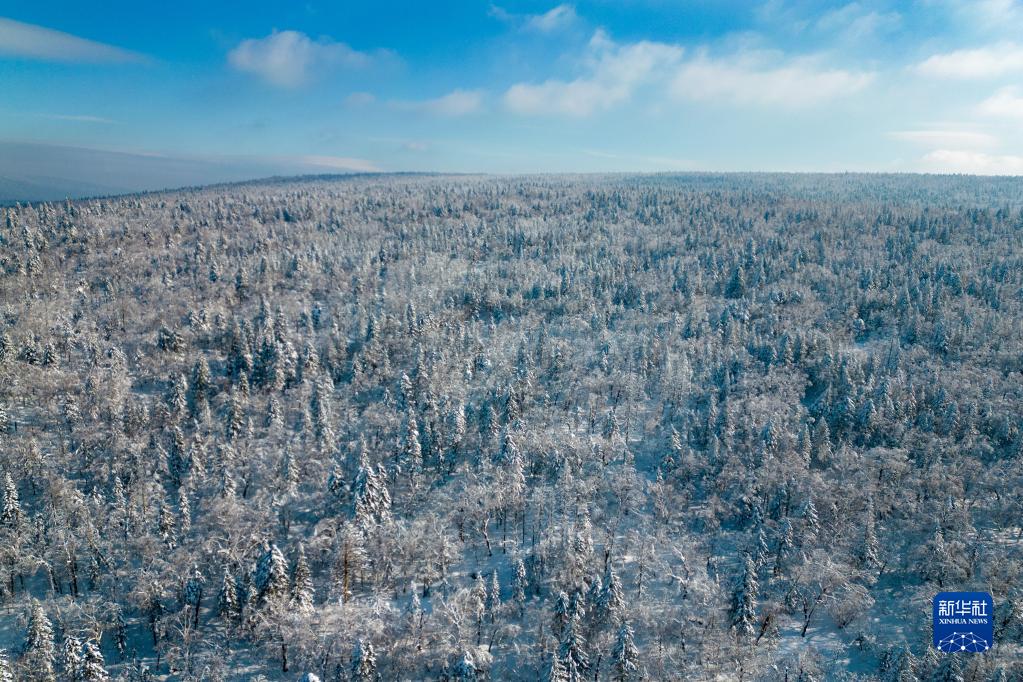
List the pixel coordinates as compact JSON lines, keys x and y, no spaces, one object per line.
{"x":867,"y":552}
{"x":11,"y":514}
{"x":625,"y":655}
{"x":193,"y":593}
{"x":72,"y":659}
{"x":411,"y":459}
{"x":493,"y":597}
{"x":478,"y":604}
{"x":821,"y":453}
{"x":611,"y":601}
{"x":6,"y":671}
{"x":38,"y":655}
{"x":900,"y":667}
{"x":270,"y":579}
{"x":811,"y":521}
{"x":302,"y":583}
{"x":744,"y":600}
{"x":572,"y":649}
{"x":227,"y":599}
{"x":949,"y":670}
{"x":364,"y":662}
{"x":93,"y":666}
{"x":555,"y":670}
{"x":519,"y":586}
{"x":465,"y":670}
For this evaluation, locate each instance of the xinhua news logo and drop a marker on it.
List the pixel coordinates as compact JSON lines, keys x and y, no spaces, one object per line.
{"x":964,"y":622}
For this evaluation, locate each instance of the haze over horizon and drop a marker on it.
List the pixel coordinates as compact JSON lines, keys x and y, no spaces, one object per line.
{"x":140,"y":98}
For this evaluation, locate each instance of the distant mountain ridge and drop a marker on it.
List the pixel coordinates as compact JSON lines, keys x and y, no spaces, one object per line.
{"x":44,"y":172}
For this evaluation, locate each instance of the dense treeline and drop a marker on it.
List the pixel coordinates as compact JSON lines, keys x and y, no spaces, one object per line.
{"x":602,"y":428}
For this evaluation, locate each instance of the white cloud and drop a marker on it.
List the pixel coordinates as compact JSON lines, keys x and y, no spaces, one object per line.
{"x":984,"y":62}
{"x":334,"y":162}
{"x":555,"y":19}
{"x":997,"y":16}
{"x":750,"y":79}
{"x":1007,"y":102}
{"x":77,"y":118}
{"x":647,"y":163}
{"x":455,"y":103}
{"x":974,"y":163}
{"x":37,"y":42}
{"x":360,"y":99}
{"x":856,"y":22}
{"x":289,"y":58}
{"x":614,"y":72}
{"x":954,"y":139}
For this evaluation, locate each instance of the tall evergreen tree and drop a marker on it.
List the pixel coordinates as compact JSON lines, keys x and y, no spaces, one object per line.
{"x":11,"y":514}
{"x":611,"y":601}
{"x":302,"y":583}
{"x":744,"y":600}
{"x":867,"y":551}
{"x":71,"y":659}
{"x":465,"y":670}
{"x":520,"y":585}
{"x":227,"y":599}
{"x":93,"y":666}
{"x":573,"y":649}
{"x":625,"y":655}
{"x":38,"y":655}
{"x":364,"y":662}
{"x":6,"y":671}
{"x":271,"y":576}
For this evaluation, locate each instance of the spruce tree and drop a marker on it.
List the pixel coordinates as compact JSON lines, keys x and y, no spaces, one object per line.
{"x":493,"y":597}
{"x":71,"y":659}
{"x":736,"y":287}
{"x":411,"y":458}
{"x":227,"y":598}
{"x":478,"y":604}
{"x":193,"y":592}
{"x":867,"y":552}
{"x":611,"y":601}
{"x":271,"y":577}
{"x":811,"y":521}
{"x":624,"y":655}
{"x":6,"y":671}
{"x":901,"y":667}
{"x":561,"y":613}
{"x":319,"y":409}
{"x":573,"y":648}
{"x":519,"y":586}
{"x":555,"y":670}
{"x":201,"y":387}
{"x":744,"y":600}
{"x":949,"y":670}
{"x":465,"y":670}
{"x":93,"y":666}
{"x":38,"y":655}
{"x":821,"y":453}
{"x":302,"y":583}
{"x":11,"y":515}
{"x":364,"y":662}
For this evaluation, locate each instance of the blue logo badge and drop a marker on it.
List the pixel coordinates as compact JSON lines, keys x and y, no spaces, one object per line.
{"x":964,"y":621}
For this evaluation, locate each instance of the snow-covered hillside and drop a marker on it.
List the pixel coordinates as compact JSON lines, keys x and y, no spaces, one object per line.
{"x":558,"y":428}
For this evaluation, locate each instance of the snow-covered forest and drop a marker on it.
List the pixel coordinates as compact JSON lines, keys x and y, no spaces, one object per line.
{"x":736,"y":427}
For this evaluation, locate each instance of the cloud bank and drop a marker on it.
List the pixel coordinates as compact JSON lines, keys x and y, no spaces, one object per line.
{"x":29,"y":41}
{"x":613,"y":73}
{"x":289,"y":59}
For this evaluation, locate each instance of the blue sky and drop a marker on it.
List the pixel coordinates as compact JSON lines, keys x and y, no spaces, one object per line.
{"x":610,"y":85}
